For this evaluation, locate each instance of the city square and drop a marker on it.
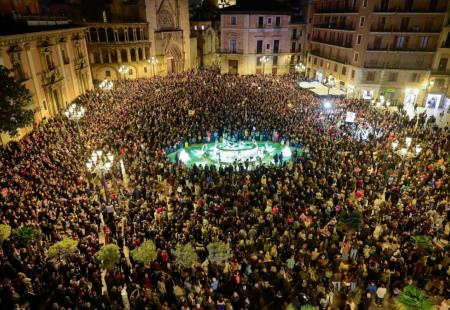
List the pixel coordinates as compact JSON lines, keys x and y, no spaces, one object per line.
{"x":175,"y":155}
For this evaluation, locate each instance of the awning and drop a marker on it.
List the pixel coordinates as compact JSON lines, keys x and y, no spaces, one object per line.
{"x":320,"y":89}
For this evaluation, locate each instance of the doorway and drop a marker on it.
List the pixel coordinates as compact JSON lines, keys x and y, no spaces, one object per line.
{"x":233,"y":66}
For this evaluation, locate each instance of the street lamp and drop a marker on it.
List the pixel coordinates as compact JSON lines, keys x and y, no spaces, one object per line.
{"x":153,"y":61}
{"x":406,"y":152}
{"x":106,"y":85}
{"x":100,"y":163}
{"x":263,"y":60}
{"x":123,"y":70}
{"x":300,"y":68}
{"x":75,"y":113}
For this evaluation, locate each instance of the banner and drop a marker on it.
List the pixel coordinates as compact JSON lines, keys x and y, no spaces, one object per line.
{"x":350,"y":118}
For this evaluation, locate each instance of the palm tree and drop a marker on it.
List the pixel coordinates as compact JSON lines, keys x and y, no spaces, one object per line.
{"x":25,"y":236}
{"x":145,"y":253}
{"x":350,"y":221}
{"x":422,"y":243}
{"x":109,"y":256}
{"x":412,"y":298}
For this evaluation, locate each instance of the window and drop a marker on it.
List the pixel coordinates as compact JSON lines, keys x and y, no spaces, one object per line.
{"x":393,"y":76}
{"x":364,"y":3}
{"x":276,"y":46}
{"x":259,"y":45}
{"x":344,"y":71}
{"x":321,"y":62}
{"x":260,"y":21}
{"x":64,"y":55}
{"x":356,"y":57}
{"x":293,"y":47}
{"x":278,"y":21}
{"x":353,"y":74}
{"x":362,"y":20}
{"x":424,"y":42}
{"x":299,"y":49}
{"x":404,"y":23}
{"x":268,"y":46}
{"x":44,"y":103}
{"x":358,"y":39}
{"x":130,"y":72}
{"x":315,"y":60}
{"x":443,"y":64}
{"x":269,"y":21}
{"x":294,"y":34}
{"x":275,"y":60}
{"x":370,"y":76}
{"x":274,"y":71}
{"x":400,"y":42}
{"x":377,"y":43}
{"x":335,"y":68}
{"x":145,"y":69}
{"x":233,"y":20}
{"x":414,"y":77}
{"x":108,"y":73}
{"x":233,"y":46}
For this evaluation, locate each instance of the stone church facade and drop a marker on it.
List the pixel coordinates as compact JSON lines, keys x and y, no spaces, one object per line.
{"x":156,"y":43}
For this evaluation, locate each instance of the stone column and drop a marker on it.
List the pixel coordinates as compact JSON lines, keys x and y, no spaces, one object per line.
{"x":98,"y":36}
{"x":63,"y":72}
{"x":119,"y":55}
{"x":128,"y":55}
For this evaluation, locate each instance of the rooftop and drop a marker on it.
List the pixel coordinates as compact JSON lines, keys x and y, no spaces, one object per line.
{"x":257,"y":6}
{"x":9,"y":26}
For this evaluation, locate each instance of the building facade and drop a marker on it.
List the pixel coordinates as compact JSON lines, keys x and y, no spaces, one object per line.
{"x":255,"y":38}
{"x":378,"y":50}
{"x":156,"y":44}
{"x":53,"y":65}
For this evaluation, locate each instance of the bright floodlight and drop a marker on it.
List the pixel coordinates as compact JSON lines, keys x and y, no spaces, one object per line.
{"x":418,"y":149}
{"x":287,"y":152}
{"x":184,"y":156}
{"x":327,"y":105}
{"x":408,"y":141}
{"x":394,"y":145}
{"x":403,"y":151}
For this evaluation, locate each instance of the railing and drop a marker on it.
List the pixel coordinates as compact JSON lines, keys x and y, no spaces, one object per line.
{"x":372,"y":48}
{"x":410,"y":29}
{"x":384,"y":65}
{"x":335,"y":26}
{"x":228,"y":51}
{"x":343,"y":60}
{"x":378,"y":9}
{"x":335,"y":43}
{"x":341,"y":10}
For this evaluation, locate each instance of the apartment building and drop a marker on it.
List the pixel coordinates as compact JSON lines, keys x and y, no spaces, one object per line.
{"x":52,"y":64}
{"x":255,"y":38}
{"x":378,"y":50}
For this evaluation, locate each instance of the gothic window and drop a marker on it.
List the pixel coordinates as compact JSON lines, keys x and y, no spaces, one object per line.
{"x":17,"y":65}
{"x":165,"y":20}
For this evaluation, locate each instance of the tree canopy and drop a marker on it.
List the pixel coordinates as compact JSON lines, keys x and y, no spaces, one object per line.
{"x":145,"y":253}
{"x":15,"y":99}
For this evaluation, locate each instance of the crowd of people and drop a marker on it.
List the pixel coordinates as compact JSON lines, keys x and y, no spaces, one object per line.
{"x":281,"y":221}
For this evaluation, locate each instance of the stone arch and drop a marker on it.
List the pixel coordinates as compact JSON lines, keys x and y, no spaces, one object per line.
{"x":121,"y":35}
{"x":174,"y":59}
{"x":133,"y":54}
{"x":110,"y":35}
{"x":102,"y":34}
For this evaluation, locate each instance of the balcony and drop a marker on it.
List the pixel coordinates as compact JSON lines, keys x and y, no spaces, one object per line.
{"x":231,"y":52}
{"x":332,"y":43}
{"x":390,"y":49}
{"x":394,"y":30}
{"x":318,"y":53}
{"x":51,"y":76}
{"x":336,"y":27}
{"x":414,"y":11}
{"x":337,"y":10}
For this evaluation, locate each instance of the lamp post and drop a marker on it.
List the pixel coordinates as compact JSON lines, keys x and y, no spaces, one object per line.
{"x":153,"y":61}
{"x":123,"y":70}
{"x":75,"y":113}
{"x":106,"y":85}
{"x":201,"y":42}
{"x":100,"y":163}
{"x":300,"y":68}
{"x":264,"y":60}
{"x":406,"y":152}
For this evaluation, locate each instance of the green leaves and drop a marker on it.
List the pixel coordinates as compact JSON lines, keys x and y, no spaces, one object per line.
{"x":5,"y":232}
{"x":25,"y":236}
{"x":422,"y":242}
{"x":15,"y":100}
{"x":109,"y":256}
{"x":412,"y":298}
{"x":62,"y":249}
{"x":185,"y":255}
{"x":145,"y":253}
{"x":308,"y":307}
{"x":218,"y":251}
{"x":350,"y":221}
